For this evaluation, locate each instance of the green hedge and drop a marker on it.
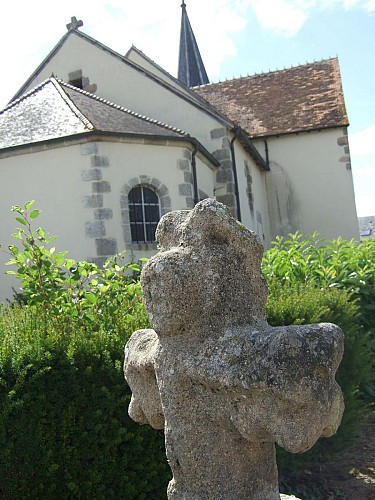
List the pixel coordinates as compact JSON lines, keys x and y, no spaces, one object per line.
{"x":325,"y":264}
{"x":306,"y":304}
{"x":64,"y":428}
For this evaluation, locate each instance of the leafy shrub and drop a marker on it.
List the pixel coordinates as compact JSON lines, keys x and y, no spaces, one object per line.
{"x":90,"y":295}
{"x":64,"y":428}
{"x":348,"y":265}
{"x":342,"y":264}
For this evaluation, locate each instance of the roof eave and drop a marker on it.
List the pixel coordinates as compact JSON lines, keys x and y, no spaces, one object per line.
{"x":250,"y":148}
{"x":267,"y":135}
{"x":101,"y":135}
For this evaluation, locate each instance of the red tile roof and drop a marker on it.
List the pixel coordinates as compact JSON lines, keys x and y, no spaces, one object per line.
{"x":307,"y":97}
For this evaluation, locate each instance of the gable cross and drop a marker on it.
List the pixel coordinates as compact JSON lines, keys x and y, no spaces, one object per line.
{"x":74,"y":24}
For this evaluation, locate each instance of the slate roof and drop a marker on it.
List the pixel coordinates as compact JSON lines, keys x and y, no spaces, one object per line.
{"x":191,"y":70}
{"x":302,"y":98}
{"x":55,"y":109}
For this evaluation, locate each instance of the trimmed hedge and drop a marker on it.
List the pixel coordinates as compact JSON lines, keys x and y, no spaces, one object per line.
{"x":306,"y":304}
{"x":64,"y":428}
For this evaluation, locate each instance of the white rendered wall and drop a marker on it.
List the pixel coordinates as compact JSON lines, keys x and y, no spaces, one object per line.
{"x":53,"y":179}
{"x":122,"y":84}
{"x":311,"y":171}
{"x":253,"y":196}
{"x":67,"y":181}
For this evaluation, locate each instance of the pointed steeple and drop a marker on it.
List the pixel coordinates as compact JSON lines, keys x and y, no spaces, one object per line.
{"x":191,"y":70}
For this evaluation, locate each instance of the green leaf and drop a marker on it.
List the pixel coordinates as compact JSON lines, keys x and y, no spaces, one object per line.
{"x":29,"y":204}
{"x":91,"y":297}
{"x":17,"y":236}
{"x":21,"y":221}
{"x":34,"y":214}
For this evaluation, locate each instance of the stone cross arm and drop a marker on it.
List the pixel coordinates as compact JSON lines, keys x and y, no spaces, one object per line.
{"x":74,"y":24}
{"x":145,"y":406}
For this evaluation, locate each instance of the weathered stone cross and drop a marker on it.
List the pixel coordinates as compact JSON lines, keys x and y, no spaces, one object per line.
{"x":222,"y":383}
{"x":74,"y":24}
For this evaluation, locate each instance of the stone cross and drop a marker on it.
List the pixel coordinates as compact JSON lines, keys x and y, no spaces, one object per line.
{"x":74,"y":24}
{"x":222,"y":383}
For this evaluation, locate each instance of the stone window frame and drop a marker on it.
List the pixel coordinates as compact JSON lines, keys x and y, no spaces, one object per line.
{"x":165,"y":206}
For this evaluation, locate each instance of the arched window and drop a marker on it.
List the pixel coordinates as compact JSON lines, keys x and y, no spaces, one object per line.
{"x":144,"y":214}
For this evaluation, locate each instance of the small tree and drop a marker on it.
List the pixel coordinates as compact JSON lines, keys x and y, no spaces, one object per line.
{"x":60,"y":285}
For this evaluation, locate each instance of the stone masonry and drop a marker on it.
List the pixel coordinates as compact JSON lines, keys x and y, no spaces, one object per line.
{"x":222,"y":383}
{"x":98,"y":214}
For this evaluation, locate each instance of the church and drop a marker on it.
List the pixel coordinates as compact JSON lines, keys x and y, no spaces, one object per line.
{"x":108,"y":143}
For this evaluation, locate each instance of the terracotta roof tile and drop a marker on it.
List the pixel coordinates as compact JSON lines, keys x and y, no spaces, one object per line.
{"x":307,"y":97}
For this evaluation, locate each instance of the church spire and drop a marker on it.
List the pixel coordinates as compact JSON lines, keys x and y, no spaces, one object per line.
{"x":191,"y":70}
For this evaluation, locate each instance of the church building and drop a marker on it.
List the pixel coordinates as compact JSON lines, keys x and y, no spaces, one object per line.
{"x":108,"y":143}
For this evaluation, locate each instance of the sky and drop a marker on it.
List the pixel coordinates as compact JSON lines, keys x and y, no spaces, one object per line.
{"x":235,"y":37}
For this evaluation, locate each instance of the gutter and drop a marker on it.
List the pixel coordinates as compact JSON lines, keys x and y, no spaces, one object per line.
{"x":267,"y":153}
{"x":298,"y":131}
{"x":235,"y":178}
{"x":194,"y":172}
{"x":247,"y":143}
{"x":55,"y":142}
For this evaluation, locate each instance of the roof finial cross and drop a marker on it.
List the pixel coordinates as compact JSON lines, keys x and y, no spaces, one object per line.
{"x":74,"y":24}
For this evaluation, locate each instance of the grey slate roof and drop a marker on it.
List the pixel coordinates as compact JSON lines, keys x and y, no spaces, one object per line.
{"x":55,"y":109}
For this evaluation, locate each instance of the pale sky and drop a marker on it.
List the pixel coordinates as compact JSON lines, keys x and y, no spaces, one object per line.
{"x":236,"y":37}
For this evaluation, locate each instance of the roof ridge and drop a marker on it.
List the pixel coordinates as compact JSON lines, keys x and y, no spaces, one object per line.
{"x":264,"y":73}
{"x":58,"y":86}
{"x":25,"y":96}
{"x":122,"y":108}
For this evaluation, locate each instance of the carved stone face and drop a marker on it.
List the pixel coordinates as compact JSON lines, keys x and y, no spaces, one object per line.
{"x":206,"y":275}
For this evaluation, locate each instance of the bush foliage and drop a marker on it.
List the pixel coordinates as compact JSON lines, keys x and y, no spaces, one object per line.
{"x":343,"y":264}
{"x":64,"y":429}
{"x":310,"y":281}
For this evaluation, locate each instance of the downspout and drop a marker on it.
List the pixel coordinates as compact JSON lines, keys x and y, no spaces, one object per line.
{"x":194,"y":172}
{"x":235,"y":178}
{"x":266,"y":151}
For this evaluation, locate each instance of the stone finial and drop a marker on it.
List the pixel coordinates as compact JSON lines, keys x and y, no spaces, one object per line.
{"x":74,"y":24}
{"x":223,"y":384}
